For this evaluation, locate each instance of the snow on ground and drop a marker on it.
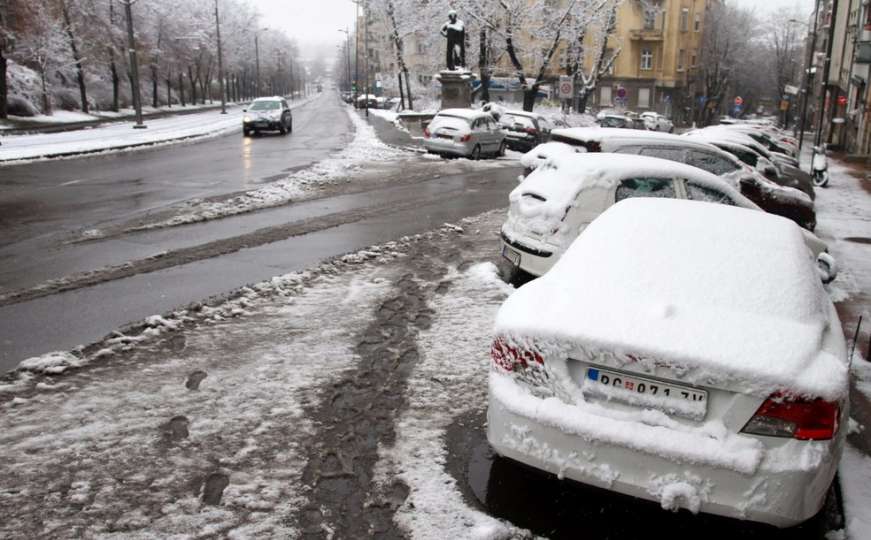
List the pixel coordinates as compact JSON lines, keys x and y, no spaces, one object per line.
{"x":364,"y":149}
{"x":856,"y":490}
{"x":449,"y":381}
{"x":137,"y":443}
{"x":390,"y":116}
{"x":118,"y":136}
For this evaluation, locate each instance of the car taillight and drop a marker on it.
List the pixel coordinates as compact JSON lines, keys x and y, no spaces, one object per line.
{"x":511,"y":358}
{"x":426,"y":132}
{"x":531,"y":131}
{"x":466,"y":138}
{"x":783,"y":416}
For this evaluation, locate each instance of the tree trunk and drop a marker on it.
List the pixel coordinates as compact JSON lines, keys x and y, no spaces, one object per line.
{"x":169,"y":89}
{"x":116,"y":83}
{"x":155,"y":83}
{"x":482,"y":65}
{"x":46,"y":100}
{"x":193,"y":85}
{"x":80,"y":76}
{"x":181,"y":88}
{"x":4,"y":92}
{"x":401,"y":92}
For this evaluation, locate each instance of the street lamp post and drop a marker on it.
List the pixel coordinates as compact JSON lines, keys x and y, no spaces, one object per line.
{"x":134,"y":63}
{"x":826,"y":68}
{"x":256,"y":65}
{"x":348,"y":47}
{"x":220,"y":59}
{"x":366,"y":51}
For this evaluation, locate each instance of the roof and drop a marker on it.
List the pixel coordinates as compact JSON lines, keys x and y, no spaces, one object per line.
{"x":267,"y":98}
{"x":524,"y":113}
{"x":600,"y":134}
{"x":468,"y":114}
{"x":728,"y":295}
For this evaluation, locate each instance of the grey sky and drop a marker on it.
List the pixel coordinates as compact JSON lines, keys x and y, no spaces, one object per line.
{"x":768,"y":6}
{"x":314,"y":23}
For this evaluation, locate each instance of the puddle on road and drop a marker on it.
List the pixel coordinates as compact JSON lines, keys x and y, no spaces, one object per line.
{"x":559,"y":509}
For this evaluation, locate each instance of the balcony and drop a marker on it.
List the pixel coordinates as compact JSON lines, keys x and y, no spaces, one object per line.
{"x":644,"y":34}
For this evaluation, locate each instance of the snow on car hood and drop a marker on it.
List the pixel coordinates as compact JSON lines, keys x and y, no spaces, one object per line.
{"x":545,"y":151}
{"x":727,"y":294}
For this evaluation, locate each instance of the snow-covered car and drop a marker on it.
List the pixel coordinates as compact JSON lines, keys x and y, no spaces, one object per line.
{"x":679,"y":352}
{"x":555,"y":203}
{"x":464,"y":132}
{"x":524,"y":130}
{"x":267,"y":114}
{"x":619,"y":121}
{"x":753,"y":155}
{"x":770,"y":196}
{"x":774,"y":143}
{"x":657,"y":122}
{"x":541,"y":153}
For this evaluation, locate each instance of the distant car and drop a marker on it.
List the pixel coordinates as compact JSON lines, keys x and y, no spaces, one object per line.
{"x":679,"y":352}
{"x":657,"y":122}
{"x":770,"y":196}
{"x":366,"y":101}
{"x":555,"y":203}
{"x":525,"y":130}
{"x":617,"y":121}
{"x":267,"y":114}
{"x":464,"y":132}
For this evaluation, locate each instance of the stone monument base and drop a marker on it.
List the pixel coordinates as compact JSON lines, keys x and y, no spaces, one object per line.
{"x":456,"y":88}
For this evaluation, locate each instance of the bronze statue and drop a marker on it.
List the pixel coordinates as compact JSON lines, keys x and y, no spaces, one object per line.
{"x":455,"y":31}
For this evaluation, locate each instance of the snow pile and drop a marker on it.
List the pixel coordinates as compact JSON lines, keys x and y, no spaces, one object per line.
{"x":53,"y":363}
{"x":364,"y":149}
{"x":543,"y":152}
{"x":675,"y":492}
{"x":855,"y":476}
{"x":435,"y":508}
{"x":653,"y":277}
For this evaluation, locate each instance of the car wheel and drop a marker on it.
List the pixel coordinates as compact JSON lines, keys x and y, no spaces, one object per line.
{"x":502,"y":147}
{"x":246,"y":132}
{"x":290,"y":127}
{"x":282,"y":129}
{"x":476,"y":153}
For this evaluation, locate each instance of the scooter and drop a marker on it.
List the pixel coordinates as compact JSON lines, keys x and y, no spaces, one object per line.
{"x":820,"y":166}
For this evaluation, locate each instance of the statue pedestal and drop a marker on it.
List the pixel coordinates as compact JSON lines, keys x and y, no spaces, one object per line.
{"x":456,"y":88}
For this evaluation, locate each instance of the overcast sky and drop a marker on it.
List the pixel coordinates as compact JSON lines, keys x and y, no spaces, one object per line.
{"x":316,"y":22}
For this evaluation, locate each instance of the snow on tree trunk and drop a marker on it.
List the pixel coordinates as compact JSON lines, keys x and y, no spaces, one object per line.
{"x":80,"y":76}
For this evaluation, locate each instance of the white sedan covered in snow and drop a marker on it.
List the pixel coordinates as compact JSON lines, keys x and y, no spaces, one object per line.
{"x":568,"y":190}
{"x":679,"y":352}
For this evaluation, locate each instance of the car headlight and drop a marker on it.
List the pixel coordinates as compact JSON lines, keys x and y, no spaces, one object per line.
{"x":246,"y":119}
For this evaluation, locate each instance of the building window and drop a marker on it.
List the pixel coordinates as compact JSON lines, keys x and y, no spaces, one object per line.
{"x":609,"y":54}
{"x":605,"y":95}
{"x":646,"y":59}
{"x":693,"y":59}
{"x":649,"y":19}
{"x":697,"y":24}
{"x":684,"y":19}
{"x":644,"y":98}
{"x":681,"y":54}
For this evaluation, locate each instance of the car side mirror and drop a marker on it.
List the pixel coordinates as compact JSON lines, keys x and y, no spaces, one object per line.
{"x":827,"y":267}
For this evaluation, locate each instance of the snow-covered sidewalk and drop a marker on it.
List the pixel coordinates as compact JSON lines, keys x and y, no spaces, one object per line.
{"x":121,"y":136}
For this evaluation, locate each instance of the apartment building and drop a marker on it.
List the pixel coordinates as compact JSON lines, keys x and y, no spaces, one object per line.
{"x":659,"y":50}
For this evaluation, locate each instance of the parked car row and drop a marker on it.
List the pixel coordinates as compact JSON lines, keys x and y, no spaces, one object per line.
{"x":677,"y":344}
{"x":649,"y":120}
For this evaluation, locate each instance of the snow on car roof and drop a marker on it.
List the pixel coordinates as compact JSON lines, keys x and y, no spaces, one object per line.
{"x":727,"y":295}
{"x":600,"y":134}
{"x":468,"y":114}
{"x":545,"y":151}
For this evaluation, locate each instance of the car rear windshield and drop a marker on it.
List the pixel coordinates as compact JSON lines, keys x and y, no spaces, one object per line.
{"x":265,"y":106}
{"x":449,"y":122}
{"x":511,"y":120}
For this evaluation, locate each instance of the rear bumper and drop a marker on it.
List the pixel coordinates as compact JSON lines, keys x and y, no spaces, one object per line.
{"x":783,"y":498}
{"x":532,"y":260}
{"x":520,"y":144}
{"x":447,"y":146}
{"x":267,"y":125}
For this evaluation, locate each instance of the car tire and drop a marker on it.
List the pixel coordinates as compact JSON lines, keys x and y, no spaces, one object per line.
{"x":282,"y":129}
{"x":290,"y":127}
{"x":502,"y":147}
{"x":246,"y":132}
{"x":476,"y":153}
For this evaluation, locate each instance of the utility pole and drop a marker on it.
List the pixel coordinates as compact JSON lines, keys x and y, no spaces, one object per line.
{"x":825,"y":79}
{"x":134,"y":63}
{"x":357,"y":56}
{"x":347,"y":32}
{"x":220,"y":59}
{"x":257,"y":65}
{"x":808,"y":76}
{"x":366,"y":51}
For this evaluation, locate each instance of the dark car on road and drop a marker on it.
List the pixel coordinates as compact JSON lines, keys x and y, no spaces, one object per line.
{"x":267,"y":114}
{"x":524,"y":130}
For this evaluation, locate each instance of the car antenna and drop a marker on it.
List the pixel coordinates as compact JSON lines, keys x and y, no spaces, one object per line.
{"x":853,"y":348}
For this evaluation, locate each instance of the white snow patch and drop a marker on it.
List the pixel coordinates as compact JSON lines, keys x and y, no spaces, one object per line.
{"x":855,"y":475}
{"x":675,"y":492}
{"x":51,"y":363}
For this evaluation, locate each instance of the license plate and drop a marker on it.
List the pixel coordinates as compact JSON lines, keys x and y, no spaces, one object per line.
{"x":512,"y":255}
{"x":673,"y":398}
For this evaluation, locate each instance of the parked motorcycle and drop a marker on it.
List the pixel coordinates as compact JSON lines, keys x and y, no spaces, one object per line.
{"x":820,"y":166}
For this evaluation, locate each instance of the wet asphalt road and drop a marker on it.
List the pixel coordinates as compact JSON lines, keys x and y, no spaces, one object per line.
{"x":56,"y":197}
{"x":46,"y":210}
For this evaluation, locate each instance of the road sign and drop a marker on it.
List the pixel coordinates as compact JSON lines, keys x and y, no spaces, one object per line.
{"x":621,"y":92}
{"x":842,"y":100}
{"x":566,"y":88}
{"x":790,"y":89}
{"x":739,"y":101}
